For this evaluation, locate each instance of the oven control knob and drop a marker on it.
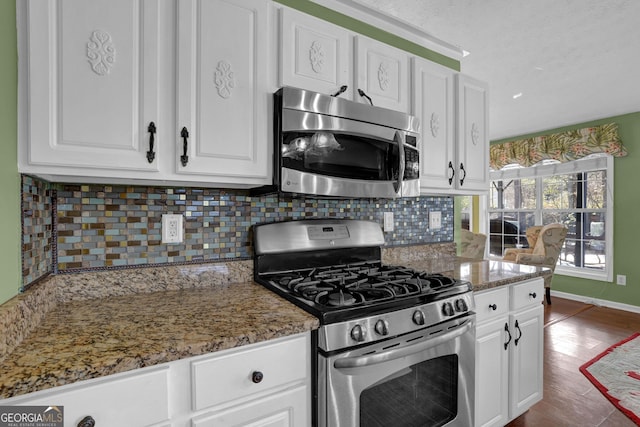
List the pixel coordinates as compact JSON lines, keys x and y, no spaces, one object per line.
{"x":418,"y":317}
{"x":447,"y":309}
{"x":382,"y":327}
{"x":461,"y":305}
{"x":358,"y":333}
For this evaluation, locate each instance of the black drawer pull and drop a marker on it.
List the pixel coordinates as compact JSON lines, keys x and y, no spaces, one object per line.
{"x":87,"y":421}
{"x":493,"y":307}
{"x":257,"y":377}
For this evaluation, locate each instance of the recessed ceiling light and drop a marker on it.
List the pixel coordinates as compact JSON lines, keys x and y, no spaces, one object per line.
{"x":465,"y":53}
{"x":517,"y":95}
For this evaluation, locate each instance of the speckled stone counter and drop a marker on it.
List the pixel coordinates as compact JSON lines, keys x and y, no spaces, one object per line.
{"x":86,"y":337}
{"x":483,"y":275}
{"x":79,"y":326}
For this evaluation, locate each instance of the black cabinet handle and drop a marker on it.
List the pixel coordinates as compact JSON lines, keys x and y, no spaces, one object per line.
{"x":340,"y":91}
{"x":533,"y":295}
{"x":257,"y":377}
{"x":493,"y":307}
{"x":184,"y":159}
{"x":453,"y":172}
{"x":464,"y":173}
{"x":151,"y":155}
{"x":87,"y":421}
{"x":506,"y":329}
{"x":520,"y":331}
{"x":364,"y":95}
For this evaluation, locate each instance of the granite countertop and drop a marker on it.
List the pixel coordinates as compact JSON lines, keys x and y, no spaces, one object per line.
{"x":89,"y":338}
{"x":102,"y":323}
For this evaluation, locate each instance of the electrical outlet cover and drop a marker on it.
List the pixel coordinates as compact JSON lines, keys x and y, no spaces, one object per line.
{"x":172,"y":228}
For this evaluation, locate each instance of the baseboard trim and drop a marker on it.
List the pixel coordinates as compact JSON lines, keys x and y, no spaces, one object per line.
{"x":596,"y":301}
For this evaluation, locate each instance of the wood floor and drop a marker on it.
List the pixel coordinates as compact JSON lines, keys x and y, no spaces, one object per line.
{"x":574,"y":333}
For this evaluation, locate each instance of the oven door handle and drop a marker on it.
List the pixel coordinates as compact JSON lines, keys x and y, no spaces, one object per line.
{"x":385,"y":356}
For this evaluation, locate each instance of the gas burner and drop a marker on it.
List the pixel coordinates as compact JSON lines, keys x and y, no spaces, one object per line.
{"x":340,"y":299}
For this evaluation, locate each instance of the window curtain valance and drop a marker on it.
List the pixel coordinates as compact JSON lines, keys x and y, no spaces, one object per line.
{"x":562,"y":146}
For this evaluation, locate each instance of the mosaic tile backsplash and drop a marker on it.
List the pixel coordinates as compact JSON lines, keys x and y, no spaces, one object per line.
{"x":96,"y":226}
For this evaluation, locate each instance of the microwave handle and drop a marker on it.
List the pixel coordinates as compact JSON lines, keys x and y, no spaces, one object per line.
{"x":399,"y":138}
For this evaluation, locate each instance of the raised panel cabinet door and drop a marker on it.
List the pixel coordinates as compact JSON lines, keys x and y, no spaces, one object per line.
{"x":526,"y":374}
{"x":222,"y":73}
{"x":472,"y":134}
{"x":314,"y":54}
{"x":288,"y":408}
{"x":492,"y":373}
{"x":382,"y":72}
{"x":91,"y":85}
{"x":433,"y":100}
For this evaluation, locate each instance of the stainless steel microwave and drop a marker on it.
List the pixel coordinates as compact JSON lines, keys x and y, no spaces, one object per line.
{"x":333,"y":147}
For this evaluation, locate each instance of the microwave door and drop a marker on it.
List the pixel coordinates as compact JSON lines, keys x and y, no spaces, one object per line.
{"x":331,"y":156}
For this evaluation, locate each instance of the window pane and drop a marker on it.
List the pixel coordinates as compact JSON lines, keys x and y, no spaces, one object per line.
{"x":596,"y":190}
{"x":560,"y":192}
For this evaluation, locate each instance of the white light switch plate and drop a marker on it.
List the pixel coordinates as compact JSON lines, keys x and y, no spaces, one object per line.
{"x":435,"y":220}
{"x":388,"y":221}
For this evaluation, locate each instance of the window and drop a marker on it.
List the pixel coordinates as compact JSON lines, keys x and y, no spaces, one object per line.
{"x":577,"y":194}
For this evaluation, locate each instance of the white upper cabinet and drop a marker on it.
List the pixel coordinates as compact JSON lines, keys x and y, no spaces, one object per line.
{"x":314,"y":54}
{"x":89,"y":86}
{"x":453,"y":112}
{"x":433,"y":104}
{"x":382,"y":72}
{"x":472,"y":134}
{"x":95,"y":73}
{"x":223,"y":99}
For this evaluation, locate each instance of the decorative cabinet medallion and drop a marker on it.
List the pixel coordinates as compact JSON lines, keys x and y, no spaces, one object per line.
{"x":435,"y":124}
{"x":223,"y":78}
{"x":101,"y":52}
{"x":317,"y":57}
{"x":383,"y":76}
{"x":475,"y":134}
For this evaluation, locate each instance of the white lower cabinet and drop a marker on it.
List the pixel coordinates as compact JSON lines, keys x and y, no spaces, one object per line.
{"x":263,"y":384}
{"x":509,"y":352}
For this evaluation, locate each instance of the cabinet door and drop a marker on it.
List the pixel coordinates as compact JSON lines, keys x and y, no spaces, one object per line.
{"x":287,"y":408}
{"x":433,"y":100}
{"x":222,"y":73}
{"x":91,"y":86}
{"x":492,"y":371}
{"x":314,"y":54}
{"x":526,"y":359}
{"x":382,"y":72}
{"x":472,"y":134}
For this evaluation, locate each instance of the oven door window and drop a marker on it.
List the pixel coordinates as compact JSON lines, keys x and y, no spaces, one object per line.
{"x":340,"y":155}
{"x":425,"y":394}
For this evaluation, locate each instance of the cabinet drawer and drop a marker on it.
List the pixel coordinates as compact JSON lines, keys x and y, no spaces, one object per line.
{"x":491,"y":304}
{"x":229,"y":374}
{"x":137,"y":398}
{"x":527,"y":294}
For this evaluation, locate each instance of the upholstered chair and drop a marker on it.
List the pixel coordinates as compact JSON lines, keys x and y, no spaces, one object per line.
{"x":545,"y":244}
{"x":472,"y":245}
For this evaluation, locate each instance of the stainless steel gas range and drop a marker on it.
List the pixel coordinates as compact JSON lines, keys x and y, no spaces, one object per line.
{"x":395,"y":346}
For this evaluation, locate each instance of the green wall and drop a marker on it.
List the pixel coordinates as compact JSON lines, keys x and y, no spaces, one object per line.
{"x":626,"y":205}
{"x":10,"y":245}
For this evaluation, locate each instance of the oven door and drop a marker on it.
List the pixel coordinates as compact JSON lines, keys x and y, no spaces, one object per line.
{"x":332,"y":156}
{"x":425,"y":378}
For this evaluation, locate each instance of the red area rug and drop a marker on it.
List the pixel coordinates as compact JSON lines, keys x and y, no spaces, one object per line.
{"x":616,"y":373}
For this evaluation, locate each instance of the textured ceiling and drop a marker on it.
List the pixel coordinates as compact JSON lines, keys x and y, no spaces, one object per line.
{"x":572,"y":60}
